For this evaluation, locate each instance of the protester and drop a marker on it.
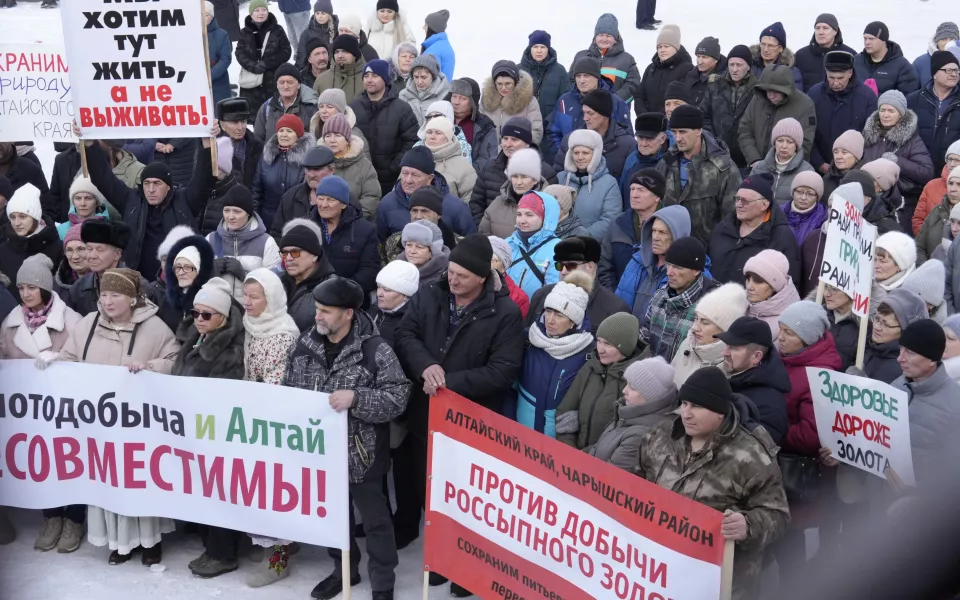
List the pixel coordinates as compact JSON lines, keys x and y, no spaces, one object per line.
{"x":847,"y":152}
{"x":229,"y":18}
{"x":19,"y":172}
{"x":883,"y":61}
{"x":509,"y":92}
{"x":653,"y":143}
{"x":550,"y":79}
{"x":66,"y":167}
{"x":648,"y":399}
{"x":770,"y":290}
{"x":842,"y":103}
{"x":741,"y":479}
{"x":330,"y":103}
{"x":262,"y":48}
{"x":397,"y":282}
{"x":936,"y":102}
{"x":31,"y":235}
{"x":714,"y":314}
{"x":616,"y":64}
{"x":270,"y":331}
{"x":190,"y":266}
{"x":951,"y":330}
{"x":945,"y":35}
{"x":898,"y":310}
{"x":343,"y":356}
{"x":585,"y":170}
{"x":598,"y":116}
{"x":895,"y":257}
{"x":73,"y":265}
{"x":569,"y":224}
{"x":812,"y":58}
{"x":351,"y":163}
{"x":233,"y":115}
{"x":437,"y":43}
{"x":105,"y":243}
{"x":297,"y":202}
{"x":427,"y":84}
{"x":220,"y":51}
{"x":448,"y":157}
{"x":726,"y":100}
{"x":443,"y":108}
{"x":805,"y":213}
{"x":881,"y":195}
{"x":350,"y":25}
{"x":346,"y":72}
{"x":292,"y":98}
{"x":936,"y":225}
{"x":177,"y":154}
{"x":671,"y":63}
{"x":305,"y":266}
{"x":424,"y":249}
{"x":227,"y":179}
{"x":323,"y":28}
{"x":936,"y":188}
{"x":425,"y":204}
{"x":776,"y":97}
{"x":318,"y":59}
{"x":928,"y":282}
{"x":709,"y":61}
{"x":388,"y":28}
{"x":622,"y":242}
{"x":500,"y":262}
{"x":533,"y":242}
{"x":784,"y":161}
{"x":477,"y":128}
{"x":844,"y":324}
{"x":772,"y":51}
{"x":124,"y":331}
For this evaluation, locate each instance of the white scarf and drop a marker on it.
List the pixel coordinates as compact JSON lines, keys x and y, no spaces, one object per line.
{"x":274,"y":319}
{"x":896,"y":280}
{"x":561,"y":347}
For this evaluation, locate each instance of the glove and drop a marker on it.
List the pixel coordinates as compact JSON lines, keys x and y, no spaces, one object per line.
{"x":229,"y":266}
{"x":891,"y":157}
{"x":45,"y":358}
{"x":568,"y":422}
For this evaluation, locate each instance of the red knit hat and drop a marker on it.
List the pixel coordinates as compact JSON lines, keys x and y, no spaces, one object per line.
{"x":291,"y":122}
{"x":531,"y":201}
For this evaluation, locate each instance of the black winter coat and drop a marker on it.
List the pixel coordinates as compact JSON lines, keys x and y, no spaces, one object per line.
{"x":213,"y":212}
{"x":696,"y":82}
{"x":550,"y":81}
{"x":313,"y":31}
{"x":353,"y":248}
{"x":880,"y":361}
{"x":295,"y":204}
{"x":65,"y":168}
{"x":391,"y":128}
{"x":177,"y":302}
{"x":937,"y":130}
{"x":729,"y":252}
{"x":228,"y":17}
{"x":723,"y":106}
{"x":253,"y":150}
{"x":23,"y":171}
{"x":894,"y":72}
{"x":252,"y":56}
{"x":278,"y":172}
{"x":181,"y":160}
{"x":15,"y":249}
{"x":767,"y":385}
{"x":491,"y":178}
{"x":387,"y":323}
{"x":219,"y":355}
{"x":845,"y":333}
{"x":618,"y":143}
{"x":656,"y":76}
{"x":300,"y":304}
{"x":838,"y":112}
{"x":482,"y":357}
{"x":809,"y":60}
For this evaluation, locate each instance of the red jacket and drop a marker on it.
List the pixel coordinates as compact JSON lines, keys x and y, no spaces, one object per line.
{"x":518,"y":296}
{"x":802,"y":435}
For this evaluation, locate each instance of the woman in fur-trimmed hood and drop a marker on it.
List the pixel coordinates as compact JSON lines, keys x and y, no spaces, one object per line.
{"x":893,"y":128}
{"x":189,"y":266}
{"x":508,"y":92}
{"x":281,"y":166}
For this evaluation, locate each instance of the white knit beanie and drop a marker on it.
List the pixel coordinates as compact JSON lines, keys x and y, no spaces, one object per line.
{"x":26,"y":200}
{"x":217,"y":294}
{"x":724,"y":305}
{"x":953,"y":149}
{"x":954,"y":174}
{"x":652,"y":378}
{"x":83,"y":184}
{"x":524,"y":162}
{"x":570,"y":297}
{"x":441,"y":124}
{"x":191,"y":255}
{"x":401,"y":277}
{"x":807,"y":319}
{"x":928,"y":281}
{"x":501,"y":248}
{"x":900,"y":247}
{"x":351,"y":23}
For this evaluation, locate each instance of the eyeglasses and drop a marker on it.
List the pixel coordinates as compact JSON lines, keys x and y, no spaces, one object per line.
{"x":805,"y":194}
{"x":77,"y":251}
{"x":951,"y":72}
{"x":506,"y":85}
{"x":953,"y":161}
{"x":566,"y":266}
{"x":769,"y":46}
{"x":291,"y":253}
{"x":741,"y":201}
{"x":183,"y":269}
{"x":878,"y":322}
{"x":202,"y":316}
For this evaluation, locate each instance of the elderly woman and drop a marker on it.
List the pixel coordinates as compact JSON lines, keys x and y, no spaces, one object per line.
{"x":401,"y":61}
{"x":598,"y":194}
{"x":352,"y":164}
{"x":533,"y":242}
{"x":715,"y":312}
{"x":26,"y":233}
{"x":847,"y":152}
{"x":895,"y":312}
{"x":423,"y":248}
{"x":805,"y":213}
{"x":388,"y":29}
{"x":281,"y":166}
{"x":73,"y":265}
{"x":443,"y":108}
{"x":124,"y":331}
{"x":590,"y":402}
{"x":784,"y":160}
{"x":262,"y":48}
{"x":508,"y":92}
{"x":43,"y":323}
{"x":397,"y":282}
{"x":502,"y":260}
{"x":937,"y":225}
{"x":882,"y":200}
{"x":426,"y":85}
{"x":448,"y":155}
{"x":86,"y":202}
{"x":334,"y":102}
{"x":523,"y":176}
{"x":844,"y":324}
{"x":894,"y":257}
{"x":770,"y":289}
{"x":951,"y":354}
{"x":558,"y":345}
{"x":241,"y":242}
{"x":189,"y":268}
{"x":213,"y":348}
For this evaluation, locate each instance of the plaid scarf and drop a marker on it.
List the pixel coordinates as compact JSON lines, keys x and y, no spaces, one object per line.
{"x":669,"y":318}
{"x":36,"y":318}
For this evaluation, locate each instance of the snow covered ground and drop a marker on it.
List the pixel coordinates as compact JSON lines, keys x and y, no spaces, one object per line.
{"x":481,"y":33}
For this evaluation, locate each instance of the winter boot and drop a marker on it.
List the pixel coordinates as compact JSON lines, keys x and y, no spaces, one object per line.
{"x":385,"y":595}
{"x":275,"y":569}
{"x":152,"y":556}
{"x":459,"y":592}
{"x":49,"y":535}
{"x":333,"y":585}
{"x":7,"y":533}
{"x":213,"y":567}
{"x":118,"y":559}
{"x":71,"y":538}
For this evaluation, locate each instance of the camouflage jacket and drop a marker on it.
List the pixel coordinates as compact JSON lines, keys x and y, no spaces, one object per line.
{"x":736,"y":470}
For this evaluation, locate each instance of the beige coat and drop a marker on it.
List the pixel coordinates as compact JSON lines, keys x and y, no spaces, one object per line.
{"x":500,"y":218}
{"x":16,"y":340}
{"x":457,"y":170}
{"x":520,"y":103}
{"x":155,"y":345}
{"x":355,"y":168}
{"x":690,"y":357}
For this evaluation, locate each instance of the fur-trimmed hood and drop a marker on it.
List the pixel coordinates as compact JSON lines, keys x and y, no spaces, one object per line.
{"x":438,"y":89}
{"x":177,"y":297}
{"x":515,"y":103}
{"x":899,"y":134}
{"x":786,"y":58}
{"x":295,"y":155}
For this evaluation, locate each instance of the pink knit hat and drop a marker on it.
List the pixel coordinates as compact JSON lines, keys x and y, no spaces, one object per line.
{"x":885,"y":172}
{"x":850,"y":140}
{"x":771,"y":266}
{"x":73,"y":234}
{"x":338,"y":124}
{"x":808,"y":179}
{"x":790,"y":128}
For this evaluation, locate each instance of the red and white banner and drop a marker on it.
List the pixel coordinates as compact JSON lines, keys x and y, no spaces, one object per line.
{"x":513,"y":513}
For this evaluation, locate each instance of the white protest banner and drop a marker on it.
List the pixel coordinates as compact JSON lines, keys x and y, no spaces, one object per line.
{"x":251,"y":457}
{"x":864,"y":422}
{"x":138,"y":69}
{"x":848,"y":254}
{"x":35,"y":102}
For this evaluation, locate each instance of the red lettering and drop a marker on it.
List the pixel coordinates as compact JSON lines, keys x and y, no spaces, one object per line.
{"x":104,"y":467}
{"x":242,"y":490}
{"x":321,"y":493}
{"x":131,"y":465}
{"x":155,"y":475}
{"x":15,"y":440}
{"x":211,"y":477}
{"x":62,"y":457}
{"x":185,"y":458}
{"x":37,"y":444}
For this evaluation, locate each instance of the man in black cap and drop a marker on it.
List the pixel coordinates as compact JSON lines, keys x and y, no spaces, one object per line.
{"x":757,"y":372}
{"x":297,"y":202}
{"x":291,"y":98}
{"x":938,"y":105}
{"x":676,"y":94}
{"x":347,"y":70}
{"x":671,"y":311}
{"x":598,"y":115}
{"x":884,"y":62}
{"x":653,"y":142}
{"x":708,"y":453}
{"x":826,"y":38}
{"x":842,"y":103}
{"x":620,"y":245}
{"x":709,"y":61}
{"x":343,"y":356}
{"x":461,"y":334}
{"x":234,"y":114}
{"x":317,"y":61}
{"x":726,"y":99}
{"x":579,"y":253}
{"x":707,"y":189}
{"x":305,"y":266}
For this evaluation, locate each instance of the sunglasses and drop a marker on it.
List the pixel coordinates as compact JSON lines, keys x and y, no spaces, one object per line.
{"x":569,"y":266}
{"x":202,"y":316}
{"x":290,"y":253}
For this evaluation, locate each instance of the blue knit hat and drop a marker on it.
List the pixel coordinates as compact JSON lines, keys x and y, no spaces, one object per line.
{"x":334,"y":187}
{"x":379,"y":67}
{"x":776,"y":31}
{"x":539,"y":37}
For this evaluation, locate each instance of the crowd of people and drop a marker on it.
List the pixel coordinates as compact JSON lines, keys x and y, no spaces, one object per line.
{"x":627,"y":263}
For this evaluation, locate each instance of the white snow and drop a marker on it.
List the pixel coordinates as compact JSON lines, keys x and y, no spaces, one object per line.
{"x":481,"y":33}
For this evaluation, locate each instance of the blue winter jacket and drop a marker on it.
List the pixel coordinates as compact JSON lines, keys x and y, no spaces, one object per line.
{"x":617,"y":247}
{"x":635,"y":162}
{"x":63,"y":228}
{"x":922,"y":63}
{"x":294,"y":6}
{"x":568,"y":115}
{"x":394,"y":211}
{"x":938,"y":123}
{"x":544,"y":382}
{"x":439,"y":46}
{"x":837,"y":112}
{"x":221,"y":55}
{"x":598,"y":198}
{"x":539,"y":247}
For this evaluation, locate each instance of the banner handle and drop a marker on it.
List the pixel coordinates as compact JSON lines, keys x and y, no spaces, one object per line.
{"x":821,"y":289}
{"x":83,"y":159}
{"x":726,"y":571}
{"x":426,"y":584}
{"x":206,"y":56}
{"x":345,"y":571}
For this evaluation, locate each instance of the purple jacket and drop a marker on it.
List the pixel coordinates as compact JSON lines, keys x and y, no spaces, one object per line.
{"x":803,"y":224}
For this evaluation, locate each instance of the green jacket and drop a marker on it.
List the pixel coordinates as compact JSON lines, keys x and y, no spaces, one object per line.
{"x":128,"y":171}
{"x":348,"y":78}
{"x":757,"y":123}
{"x":594,"y":393}
{"x":930,"y":235}
{"x":736,"y":470}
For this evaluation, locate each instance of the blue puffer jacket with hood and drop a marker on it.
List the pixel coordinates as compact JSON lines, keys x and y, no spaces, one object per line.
{"x":540,"y":249}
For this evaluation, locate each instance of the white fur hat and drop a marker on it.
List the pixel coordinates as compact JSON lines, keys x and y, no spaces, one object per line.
{"x":525,"y":162}
{"x":724,"y":305}
{"x":176,"y":234}
{"x":400,"y":276}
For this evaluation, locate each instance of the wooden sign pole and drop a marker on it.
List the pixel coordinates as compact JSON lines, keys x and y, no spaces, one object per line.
{"x":426,"y":584}
{"x":206,"y":56}
{"x":821,"y":289}
{"x":83,"y":159}
{"x":345,"y":571}
{"x":726,"y":572}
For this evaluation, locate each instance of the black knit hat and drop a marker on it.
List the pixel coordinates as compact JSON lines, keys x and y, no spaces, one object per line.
{"x":111,"y":233}
{"x":742,"y":52}
{"x":709,"y":46}
{"x":708,"y":387}
{"x":761,"y":183}
{"x":676,"y":90}
{"x":651,"y":179}
{"x":156,"y":170}
{"x":686,"y":116}
{"x":877,"y":29}
{"x":419,"y":158}
{"x":240,"y":197}
{"x":505,"y":67}
{"x":688,"y":253}
{"x":473,"y":253}
{"x":837,"y":61}
{"x":940,"y":59}
{"x":582,"y":248}
{"x":389,"y":4}
{"x":303,"y":237}
{"x":340,"y":292}
{"x":650,"y":124}
{"x":428,"y":197}
{"x":828,"y":19}
{"x":348,"y":43}
{"x":315,"y":43}
{"x":863,"y":179}
{"x":587,"y":65}
{"x":926,"y":338}
{"x":518,"y":127}
{"x":287,"y":70}
{"x":599,"y":100}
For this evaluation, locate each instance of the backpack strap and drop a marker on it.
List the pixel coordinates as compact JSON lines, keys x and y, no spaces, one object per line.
{"x":528,"y":258}
{"x":93,"y":328}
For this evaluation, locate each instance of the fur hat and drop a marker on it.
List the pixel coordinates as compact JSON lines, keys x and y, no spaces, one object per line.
{"x":622,"y":331}
{"x":652,"y":378}
{"x":400,"y":276}
{"x":885,"y":172}
{"x":84,"y":184}
{"x":724,"y":305}
{"x":901,"y":248}
{"x":335,"y":98}
{"x":424,"y":233}
{"x":686,"y":116}
{"x":850,"y":140}
{"x":581,"y":248}
{"x":806,"y":319}
{"x":339,"y":292}
{"x":525,"y":162}
{"x":26,"y":200}
{"x":771,"y":266}
{"x":112,"y":233}
{"x":175,"y":235}
{"x":571,"y":296}
{"x":36,"y":270}
{"x":790,"y":128}
{"x":502,"y":250}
